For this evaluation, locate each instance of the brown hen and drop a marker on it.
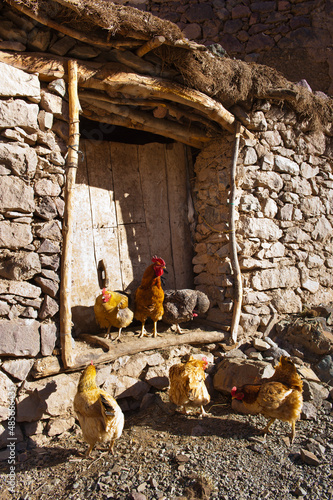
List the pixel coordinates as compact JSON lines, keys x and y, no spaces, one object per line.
{"x":278,"y":397}
{"x":187,"y":384}
{"x":100,"y":417}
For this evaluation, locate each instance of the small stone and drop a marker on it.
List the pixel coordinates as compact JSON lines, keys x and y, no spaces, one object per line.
{"x":315,"y":447}
{"x":48,"y":334}
{"x":286,"y":441}
{"x":299,"y":492}
{"x":58,"y":86}
{"x":142,"y":487}
{"x":49,"y":247}
{"x":260,"y":345}
{"x":45,"y":120}
{"x":48,"y":286}
{"x":309,"y":458}
{"x":182,"y":458}
{"x":49,"y":308}
{"x":309,"y":411}
{"x":138,"y":496}
{"x":59,"y":425}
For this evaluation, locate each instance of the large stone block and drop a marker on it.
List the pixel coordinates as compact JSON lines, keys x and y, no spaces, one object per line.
{"x":51,"y":396}
{"x":323,"y":230}
{"x":286,"y":165}
{"x":14,"y":235}
{"x":20,"y":288}
{"x":276,"y":278}
{"x":286,"y":301}
{"x":16,"y":195}
{"x":19,"y":113}
{"x":19,"y":337}
{"x":21,"y":160}
{"x":21,"y":266}
{"x":124,"y":386}
{"x":260,"y":228}
{"x":237,"y":372}
{"x":16,"y":83}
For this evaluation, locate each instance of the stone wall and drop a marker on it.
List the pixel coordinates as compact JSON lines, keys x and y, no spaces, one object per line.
{"x":293,"y":36}
{"x":285,"y":219}
{"x":31,"y":209}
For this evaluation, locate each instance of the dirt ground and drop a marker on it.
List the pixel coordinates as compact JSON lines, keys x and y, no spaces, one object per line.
{"x":165,"y":455}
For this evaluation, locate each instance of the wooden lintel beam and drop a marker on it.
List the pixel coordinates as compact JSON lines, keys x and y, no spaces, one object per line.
{"x":166,"y":128}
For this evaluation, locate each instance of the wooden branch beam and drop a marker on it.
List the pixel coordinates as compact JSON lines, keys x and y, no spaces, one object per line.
{"x":113,"y":77}
{"x":146,"y":87}
{"x":51,"y":67}
{"x":280,"y":94}
{"x":191,"y":137}
{"x":152,"y":44}
{"x":66,"y":262}
{"x":174,"y":111}
{"x":238,"y":289}
{"x":50,"y":23}
{"x":50,"y":365}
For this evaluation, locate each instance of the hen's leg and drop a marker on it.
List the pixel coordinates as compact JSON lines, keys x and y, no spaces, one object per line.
{"x":111,"y":450}
{"x":179,"y":330}
{"x":107,"y":335}
{"x":203,"y":412}
{"x":293,"y":431}
{"x":89,"y":450}
{"x":155,"y":330}
{"x":143,"y":331}
{"x":119,"y":332}
{"x":265,"y":430}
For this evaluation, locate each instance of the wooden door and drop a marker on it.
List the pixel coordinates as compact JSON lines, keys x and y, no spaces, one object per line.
{"x":131,"y":203}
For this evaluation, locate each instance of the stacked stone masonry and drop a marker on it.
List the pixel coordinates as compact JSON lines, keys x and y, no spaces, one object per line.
{"x":31,"y":209}
{"x":293,"y":36}
{"x":285,"y":218}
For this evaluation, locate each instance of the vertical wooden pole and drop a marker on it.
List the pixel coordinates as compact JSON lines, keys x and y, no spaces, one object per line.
{"x":66,"y":263}
{"x":238,"y":289}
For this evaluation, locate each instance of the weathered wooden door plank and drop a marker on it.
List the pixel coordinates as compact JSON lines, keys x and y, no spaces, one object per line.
{"x":155,"y":201}
{"x":100,"y":184}
{"x":127,"y":185}
{"x":84,"y":270}
{"x":179,"y":225}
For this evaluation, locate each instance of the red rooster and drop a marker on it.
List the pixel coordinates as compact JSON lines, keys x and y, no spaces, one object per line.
{"x":149,"y":296}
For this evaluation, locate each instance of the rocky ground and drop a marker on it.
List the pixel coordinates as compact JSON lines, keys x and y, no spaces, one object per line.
{"x":165,"y":455}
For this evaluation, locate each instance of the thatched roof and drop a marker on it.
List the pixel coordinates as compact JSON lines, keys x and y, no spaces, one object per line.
{"x":228,"y":81}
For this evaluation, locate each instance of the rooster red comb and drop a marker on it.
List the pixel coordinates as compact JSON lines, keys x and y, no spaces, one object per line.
{"x":158,"y":260}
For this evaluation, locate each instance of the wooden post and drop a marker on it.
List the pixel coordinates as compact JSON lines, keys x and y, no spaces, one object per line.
{"x":66,"y":263}
{"x":238,"y":290}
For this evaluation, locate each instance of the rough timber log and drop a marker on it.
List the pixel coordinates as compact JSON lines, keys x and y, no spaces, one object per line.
{"x":50,"y":365}
{"x":66,"y":261}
